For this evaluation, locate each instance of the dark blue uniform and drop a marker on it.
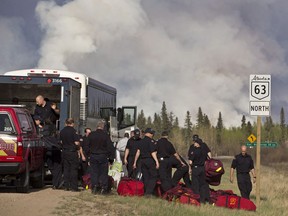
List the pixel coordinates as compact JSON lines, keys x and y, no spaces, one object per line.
{"x":148,"y":166}
{"x":198,"y":156}
{"x":165,"y":150}
{"x":243,"y":165}
{"x":181,"y":171}
{"x":84,"y":142}
{"x":101,"y":149}
{"x":132,"y":145}
{"x":48,"y":116}
{"x":70,"y":157}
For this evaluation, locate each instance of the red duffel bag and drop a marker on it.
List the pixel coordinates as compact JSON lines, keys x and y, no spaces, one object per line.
{"x":183,"y":195}
{"x":130,"y":187}
{"x":188,"y":199}
{"x":235,"y":202}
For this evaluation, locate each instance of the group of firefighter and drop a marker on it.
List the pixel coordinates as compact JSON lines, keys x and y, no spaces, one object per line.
{"x":156,"y":159}
{"x":146,"y":159}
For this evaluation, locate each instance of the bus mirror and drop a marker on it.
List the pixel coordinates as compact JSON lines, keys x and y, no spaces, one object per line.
{"x":127,"y":117}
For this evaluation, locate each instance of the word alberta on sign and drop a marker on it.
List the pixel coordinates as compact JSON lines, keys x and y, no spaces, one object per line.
{"x":260,"y":95}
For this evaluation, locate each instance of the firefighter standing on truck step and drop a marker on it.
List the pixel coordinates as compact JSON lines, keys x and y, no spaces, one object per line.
{"x":244,"y":165}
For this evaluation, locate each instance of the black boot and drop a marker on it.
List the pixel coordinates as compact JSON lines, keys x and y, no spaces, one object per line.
{"x":96,"y":190}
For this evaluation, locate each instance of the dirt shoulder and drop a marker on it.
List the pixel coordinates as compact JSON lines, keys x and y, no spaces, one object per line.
{"x":37,"y":202}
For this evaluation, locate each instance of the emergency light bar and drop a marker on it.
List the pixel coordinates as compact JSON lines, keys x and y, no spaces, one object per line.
{"x":43,"y":75}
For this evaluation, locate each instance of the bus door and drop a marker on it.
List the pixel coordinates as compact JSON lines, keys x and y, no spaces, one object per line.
{"x":74,"y":111}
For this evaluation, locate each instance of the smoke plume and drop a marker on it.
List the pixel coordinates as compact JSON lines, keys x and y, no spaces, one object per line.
{"x":187,"y":53}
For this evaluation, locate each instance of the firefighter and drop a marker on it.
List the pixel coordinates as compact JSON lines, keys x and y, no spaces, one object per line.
{"x":244,"y":165}
{"x":53,"y":156}
{"x":84,"y":150}
{"x":48,"y":114}
{"x":70,"y":144}
{"x":149,"y":162}
{"x":197,"y":156}
{"x":204,"y":145}
{"x":168,"y":157}
{"x":177,"y":162}
{"x":130,"y":152}
{"x":101,"y":152}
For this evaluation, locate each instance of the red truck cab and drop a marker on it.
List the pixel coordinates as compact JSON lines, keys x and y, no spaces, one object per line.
{"x":21,"y":149}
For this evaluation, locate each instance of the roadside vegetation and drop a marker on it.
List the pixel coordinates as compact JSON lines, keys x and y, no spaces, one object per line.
{"x":221,"y":139}
{"x":274,"y":191}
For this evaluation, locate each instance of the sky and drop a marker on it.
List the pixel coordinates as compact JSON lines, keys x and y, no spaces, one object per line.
{"x":188,"y":53}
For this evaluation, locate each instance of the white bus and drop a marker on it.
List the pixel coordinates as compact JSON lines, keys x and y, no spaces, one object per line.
{"x":95,"y":100}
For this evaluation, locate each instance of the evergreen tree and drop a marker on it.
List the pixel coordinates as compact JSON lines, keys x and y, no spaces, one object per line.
{"x":220,"y":125}
{"x":187,"y":128}
{"x":176,"y":123}
{"x":141,"y":120}
{"x":200,"y":118}
{"x":243,"y":123}
{"x":164,"y":118}
{"x":268,"y":125}
{"x":157,"y":123}
{"x":219,"y":129}
{"x":282,"y":125}
{"x":249,"y":128}
{"x":171,"y":120}
{"x":149,"y":123}
{"x":206,"y":122}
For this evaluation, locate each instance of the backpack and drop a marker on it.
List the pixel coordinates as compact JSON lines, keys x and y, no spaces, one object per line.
{"x":130,"y":187}
{"x":214,"y":170}
{"x":86,"y":182}
{"x":182,"y":195}
{"x":235,"y":202}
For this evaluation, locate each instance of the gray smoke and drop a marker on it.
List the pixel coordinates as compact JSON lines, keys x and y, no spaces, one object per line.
{"x":187,"y":53}
{"x":15,"y":51}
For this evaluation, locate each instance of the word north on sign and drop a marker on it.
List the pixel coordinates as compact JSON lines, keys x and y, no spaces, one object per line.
{"x":260,"y":95}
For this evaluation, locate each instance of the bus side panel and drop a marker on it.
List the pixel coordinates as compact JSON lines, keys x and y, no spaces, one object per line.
{"x":98,"y":97}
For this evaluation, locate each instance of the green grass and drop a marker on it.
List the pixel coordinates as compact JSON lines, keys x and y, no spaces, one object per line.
{"x":274,"y":194}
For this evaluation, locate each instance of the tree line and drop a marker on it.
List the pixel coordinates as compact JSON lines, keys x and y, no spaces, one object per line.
{"x":221,"y":140}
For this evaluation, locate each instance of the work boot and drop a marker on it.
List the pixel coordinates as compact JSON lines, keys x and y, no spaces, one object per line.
{"x":96,"y":190}
{"x":104,"y":192}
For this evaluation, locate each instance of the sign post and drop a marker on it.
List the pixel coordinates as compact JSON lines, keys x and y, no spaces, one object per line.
{"x":260,"y":98}
{"x":258,"y":156}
